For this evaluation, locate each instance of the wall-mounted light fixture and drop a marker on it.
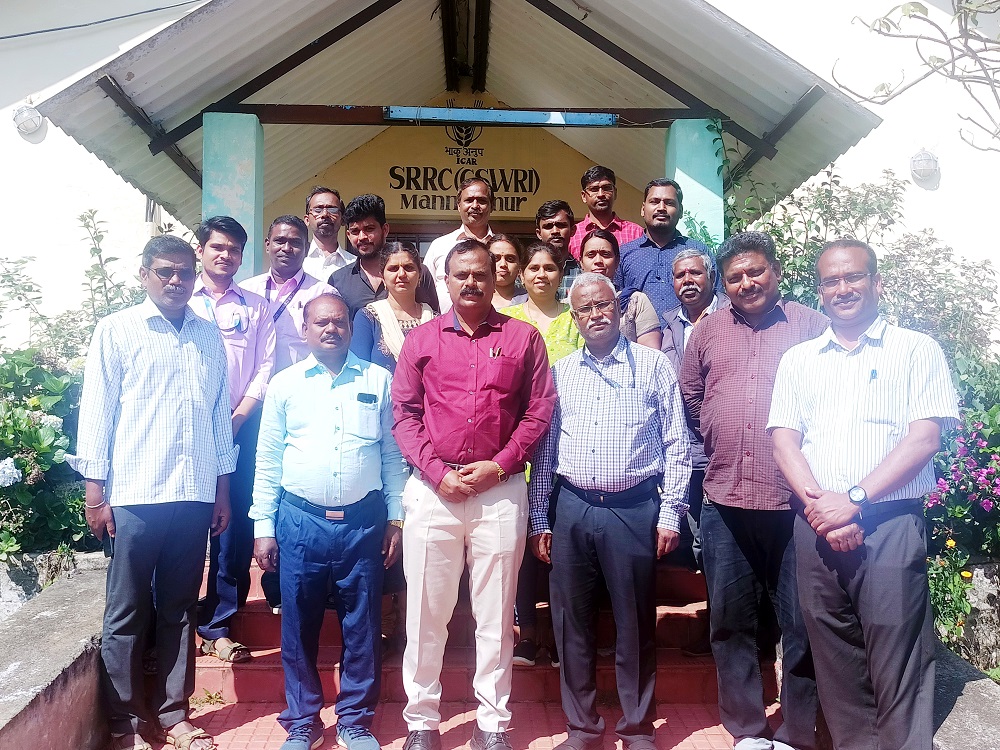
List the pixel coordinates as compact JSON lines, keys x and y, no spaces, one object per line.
{"x":27,"y":119}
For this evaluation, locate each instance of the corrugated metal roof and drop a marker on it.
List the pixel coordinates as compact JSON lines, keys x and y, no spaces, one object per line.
{"x":398,"y":59}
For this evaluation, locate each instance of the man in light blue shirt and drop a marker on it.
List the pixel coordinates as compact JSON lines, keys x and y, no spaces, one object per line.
{"x":328,"y":498}
{"x":155,"y":446}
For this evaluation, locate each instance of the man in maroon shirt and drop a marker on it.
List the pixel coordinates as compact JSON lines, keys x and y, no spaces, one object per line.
{"x":726,"y":379}
{"x":472,"y":396}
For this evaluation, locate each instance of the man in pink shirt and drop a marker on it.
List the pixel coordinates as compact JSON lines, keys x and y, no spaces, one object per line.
{"x":247,"y":331}
{"x":598,"y":194}
{"x":472,"y":395}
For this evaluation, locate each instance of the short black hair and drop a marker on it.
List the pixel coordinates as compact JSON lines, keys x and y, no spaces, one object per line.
{"x":597,"y":173}
{"x":391,"y":248}
{"x":746,"y":242}
{"x":319,"y":190}
{"x":164,"y":245}
{"x":327,"y":296}
{"x":511,"y":240}
{"x":551,"y":209}
{"x":365,"y":206}
{"x":540,"y":247}
{"x":601,"y":234}
{"x":663,"y":182}
{"x":850,"y":242}
{"x":292,"y":221}
{"x":472,"y":181}
{"x":226,"y":225}
{"x":469,"y":246}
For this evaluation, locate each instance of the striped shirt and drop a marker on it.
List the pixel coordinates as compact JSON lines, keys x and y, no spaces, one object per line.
{"x":328,"y":438}
{"x":852,"y":407}
{"x":726,"y":378}
{"x":617,"y":422}
{"x":154,"y":415}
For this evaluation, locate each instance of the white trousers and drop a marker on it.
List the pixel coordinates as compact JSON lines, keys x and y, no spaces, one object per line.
{"x":488,"y":532}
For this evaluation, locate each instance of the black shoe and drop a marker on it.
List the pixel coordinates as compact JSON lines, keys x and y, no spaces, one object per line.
{"x":700,"y":647}
{"x":489,"y":740}
{"x":578,"y":743}
{"x":525,"y":652}
{"x":553,"y":655}
{"x":423,"y":739}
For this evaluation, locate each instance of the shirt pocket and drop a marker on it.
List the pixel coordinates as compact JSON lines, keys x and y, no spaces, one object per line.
{"x":363,"y":421}
{"x":502,"y":374}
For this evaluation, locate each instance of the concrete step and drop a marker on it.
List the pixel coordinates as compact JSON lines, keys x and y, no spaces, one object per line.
{"x":679,"y":679}
{"x":677,"y":625}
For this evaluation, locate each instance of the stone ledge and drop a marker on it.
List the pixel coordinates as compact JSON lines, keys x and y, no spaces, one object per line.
{"x":49,"y":655}
{"x":965,"y":705}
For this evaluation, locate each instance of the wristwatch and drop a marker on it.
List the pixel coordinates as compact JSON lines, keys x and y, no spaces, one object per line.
{"x":397,"y":524}
{"x":501,"y":474}
{"x":857,"y":495}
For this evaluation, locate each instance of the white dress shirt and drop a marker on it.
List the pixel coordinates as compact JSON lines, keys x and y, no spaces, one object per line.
{"x":319,"y":264}
{"x":435,"y":257}
{"x":154,"y":415}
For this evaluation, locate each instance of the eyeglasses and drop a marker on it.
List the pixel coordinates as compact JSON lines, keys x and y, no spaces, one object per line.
{"x":852,"y":279}
{"x":166,"y":274}
{"x":587,"y":311}
{"x":318,"y":211}
{"x":607,"y":187}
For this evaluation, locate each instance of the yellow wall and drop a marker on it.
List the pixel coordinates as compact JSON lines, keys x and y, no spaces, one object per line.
{"x":416,"y":170}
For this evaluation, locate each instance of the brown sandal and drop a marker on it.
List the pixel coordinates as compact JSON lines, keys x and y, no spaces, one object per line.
{"x":183,"y":742}
{"x":234,"y":653}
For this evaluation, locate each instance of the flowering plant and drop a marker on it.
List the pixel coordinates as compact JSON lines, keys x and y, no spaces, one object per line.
{"x":40,"y":501}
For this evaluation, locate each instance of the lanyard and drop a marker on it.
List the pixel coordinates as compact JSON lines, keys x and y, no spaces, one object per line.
{"x":281,"y":308}
{"x":597,"y":370}
{"x":242,"y":324}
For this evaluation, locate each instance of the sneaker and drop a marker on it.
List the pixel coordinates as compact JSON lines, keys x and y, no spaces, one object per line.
{"x":356,"y":738}
{"x":525,"y":652}
{"x":423,"y":739}
{"x":553,"y":655}
{"x":489,"y":740}
{"x":305,"y":737}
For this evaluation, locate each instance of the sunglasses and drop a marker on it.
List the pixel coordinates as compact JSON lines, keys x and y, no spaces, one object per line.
{"x":166,"y":274}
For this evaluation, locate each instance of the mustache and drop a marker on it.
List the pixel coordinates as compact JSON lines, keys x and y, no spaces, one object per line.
{"x":172,"y":289}
{"x":748,"y":292}
{"x":471,"y":292}
{"x":690,"y":286}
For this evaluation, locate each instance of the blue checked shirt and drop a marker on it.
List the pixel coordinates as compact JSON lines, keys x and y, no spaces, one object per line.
{"x":646,"y":267}
{"x":327,"y":438}
{"x":155,"y":422}
{"x":618,"y":422}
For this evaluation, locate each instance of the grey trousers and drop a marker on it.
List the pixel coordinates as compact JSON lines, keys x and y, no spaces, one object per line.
{"x":870,"y":625}
{"x":160,"y":547}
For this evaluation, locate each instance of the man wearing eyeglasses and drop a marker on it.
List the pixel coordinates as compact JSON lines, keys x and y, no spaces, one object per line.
{"x":617,"y":447}
{"x":598,"y":192}
{"x":324,"y":217}
{"x":726,"y":377}
{"x":244,"y":320}
{"x":155,"y":447}
{"x":856,"y":419}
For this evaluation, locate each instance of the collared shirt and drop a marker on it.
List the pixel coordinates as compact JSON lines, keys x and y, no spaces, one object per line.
{"x":247,"y":335}
{"x":353,"y":284}
{"x":646,"y":267}
{"x":624,"y":231}
{"x":562,"y":336}
{"x":290,"y":347}
{"x":618,"y":421}
{"x":155,"y":423}
{"x":726,"y":378}
{"x":852,"y":407}
{"x":327,"y":438}
{"x":460,"y":398}
{"x":436,"y":255}
{"x":319,"y":264}
{"x":689,"y":324}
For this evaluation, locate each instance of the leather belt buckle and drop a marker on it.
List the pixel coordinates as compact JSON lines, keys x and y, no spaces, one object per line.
{"x":334,"y":515}
{"x":600,"y":498}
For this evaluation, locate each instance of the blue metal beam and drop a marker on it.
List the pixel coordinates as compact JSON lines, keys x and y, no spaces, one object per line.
{"x":502,"y":117}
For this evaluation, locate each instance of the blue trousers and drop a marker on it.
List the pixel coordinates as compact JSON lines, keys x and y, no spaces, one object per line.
{"x":230,"y":553}
{"x":319,"y":557}
{"x":750,"y":554}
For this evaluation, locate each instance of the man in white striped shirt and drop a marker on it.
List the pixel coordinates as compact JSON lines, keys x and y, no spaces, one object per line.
{"x":856,"y":418}
{"x":618,"y":450}
{"x":155,"y":446}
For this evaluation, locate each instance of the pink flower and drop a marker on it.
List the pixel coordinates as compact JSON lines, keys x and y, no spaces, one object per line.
{"x":986,"y":504}
{"x":933,"y":499}
{"x":978,"y":425}
{"x":982,"y":443}
{"x":960,"y":440}
{"x":942,"y":485}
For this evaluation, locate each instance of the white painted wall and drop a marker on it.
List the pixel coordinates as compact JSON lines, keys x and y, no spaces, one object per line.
{"x":49,"y":179}
{"x":820,"y":35}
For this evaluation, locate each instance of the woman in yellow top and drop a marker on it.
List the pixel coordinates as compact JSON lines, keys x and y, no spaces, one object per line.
{"x":541,"y":275}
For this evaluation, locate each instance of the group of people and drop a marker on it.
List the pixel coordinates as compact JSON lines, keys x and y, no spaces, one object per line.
{"x":364,"y":421}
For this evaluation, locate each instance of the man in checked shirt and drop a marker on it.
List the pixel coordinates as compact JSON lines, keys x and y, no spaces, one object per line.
{"x":618,"y":450}
{"x":726,"y":378}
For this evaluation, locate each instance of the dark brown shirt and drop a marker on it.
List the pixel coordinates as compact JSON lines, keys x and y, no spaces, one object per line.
{"x":726,"y":379}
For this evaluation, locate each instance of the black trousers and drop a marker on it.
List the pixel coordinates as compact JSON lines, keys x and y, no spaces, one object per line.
{"x":159,"y":547}
{"x":620,"y":543}
{"x":870,"y":624}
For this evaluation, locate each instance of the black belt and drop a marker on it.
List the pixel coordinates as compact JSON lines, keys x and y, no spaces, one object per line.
{"x":330,"y":514}
{"x":626,"y":498}
{"x":875,"y":512}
